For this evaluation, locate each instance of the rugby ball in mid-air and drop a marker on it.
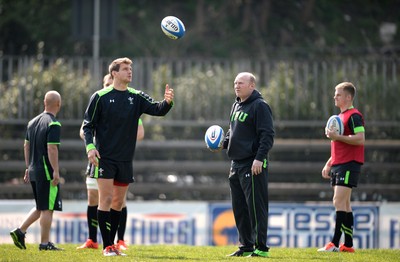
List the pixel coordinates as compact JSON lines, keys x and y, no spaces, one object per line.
{"x":173,"y":27}
{"x":214,"y":137}
{"x":336,"y":124}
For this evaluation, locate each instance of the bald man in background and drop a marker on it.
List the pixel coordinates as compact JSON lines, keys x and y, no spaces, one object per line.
{"x":42,"y":171}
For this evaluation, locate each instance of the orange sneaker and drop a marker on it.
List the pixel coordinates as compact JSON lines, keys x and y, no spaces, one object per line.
{"x":89,"y":244}
{"x":343,"y":248}
{"x":122,"y":245}
{"x":330,"y":247}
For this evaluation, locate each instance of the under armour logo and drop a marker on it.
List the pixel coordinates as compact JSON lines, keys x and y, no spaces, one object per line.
{"x":101,"y":171}
{"x":112,"y":101}
{"x":247,"y":175}
{"x":130,"y":100}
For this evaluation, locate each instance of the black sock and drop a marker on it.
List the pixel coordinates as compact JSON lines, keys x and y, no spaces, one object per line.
{"x":122,"y":224}
{"x":92,"y":222}
{"x":340,"y":218}
{"x":115,"y":217}
{"x":105,"y":227}
{"x":347,"y":228}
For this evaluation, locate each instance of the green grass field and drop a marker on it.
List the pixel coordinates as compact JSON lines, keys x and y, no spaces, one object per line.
{"x":189,"y":253}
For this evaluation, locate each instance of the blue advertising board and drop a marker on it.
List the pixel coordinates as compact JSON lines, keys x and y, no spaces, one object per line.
{"x":297,"y":225}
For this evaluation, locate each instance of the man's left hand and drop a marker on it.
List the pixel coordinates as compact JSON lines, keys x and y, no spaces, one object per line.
{"x":256,"y":168}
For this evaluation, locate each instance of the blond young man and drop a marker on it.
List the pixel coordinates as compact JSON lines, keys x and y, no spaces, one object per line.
{"x":344,"y":166}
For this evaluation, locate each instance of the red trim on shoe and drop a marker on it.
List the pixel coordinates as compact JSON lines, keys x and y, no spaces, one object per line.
{"x":330,"y":247}
{"x":343,"y":248}
{"x":89,"y":244}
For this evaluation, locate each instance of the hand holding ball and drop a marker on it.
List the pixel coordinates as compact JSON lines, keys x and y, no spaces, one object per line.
{"x":335,"y":124}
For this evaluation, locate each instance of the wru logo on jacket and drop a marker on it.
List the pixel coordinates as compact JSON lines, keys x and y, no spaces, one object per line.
{"x":241,"y":116}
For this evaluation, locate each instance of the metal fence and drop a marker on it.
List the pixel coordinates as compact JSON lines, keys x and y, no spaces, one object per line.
{"x":296,"y":90}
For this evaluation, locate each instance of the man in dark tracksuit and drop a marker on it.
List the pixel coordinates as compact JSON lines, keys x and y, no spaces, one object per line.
{"x":248,"y":141}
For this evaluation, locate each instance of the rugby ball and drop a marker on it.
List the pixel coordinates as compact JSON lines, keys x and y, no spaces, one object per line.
{"x":214,"y":137}
{"x":173,"y":27}
{"x":336,"y":124}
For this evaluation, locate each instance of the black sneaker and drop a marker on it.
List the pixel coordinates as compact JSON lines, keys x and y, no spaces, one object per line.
{"x":18,"y":238}
{"x":49,"y":246}
{"x":240,"y":253}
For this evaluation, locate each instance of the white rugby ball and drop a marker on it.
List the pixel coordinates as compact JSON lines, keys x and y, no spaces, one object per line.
{"x":173,"y":27}
{"x":214,"y":137}
{"x":336,"y":124}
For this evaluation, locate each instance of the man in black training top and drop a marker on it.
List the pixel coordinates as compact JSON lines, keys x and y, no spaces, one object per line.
{"x":112,"y":116}
{"x":249,"y":139}
{"x":42,"y":171}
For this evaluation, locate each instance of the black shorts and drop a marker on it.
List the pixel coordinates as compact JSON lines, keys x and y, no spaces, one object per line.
{"x":119,"y":171}
{"x":345,"y":174}
{"x":47,"y":196}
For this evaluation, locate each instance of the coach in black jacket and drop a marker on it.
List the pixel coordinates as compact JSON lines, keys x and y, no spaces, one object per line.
{"x":248,"y":141}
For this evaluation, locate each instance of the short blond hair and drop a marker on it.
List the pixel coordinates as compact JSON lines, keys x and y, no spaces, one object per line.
{"x":348,"y":87}
{"x":114,"y":66}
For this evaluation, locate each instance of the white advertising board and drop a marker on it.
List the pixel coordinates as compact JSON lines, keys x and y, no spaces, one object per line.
{"x":376,"y":225}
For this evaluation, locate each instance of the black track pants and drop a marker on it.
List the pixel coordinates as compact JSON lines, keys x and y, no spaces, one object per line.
{"x":250,"y":206}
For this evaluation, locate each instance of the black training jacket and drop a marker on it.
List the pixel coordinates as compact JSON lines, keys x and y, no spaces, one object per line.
{"x":251,"y":130}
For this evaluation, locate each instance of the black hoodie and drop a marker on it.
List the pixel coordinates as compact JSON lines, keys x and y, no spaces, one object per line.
{"x":251,"y":130}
